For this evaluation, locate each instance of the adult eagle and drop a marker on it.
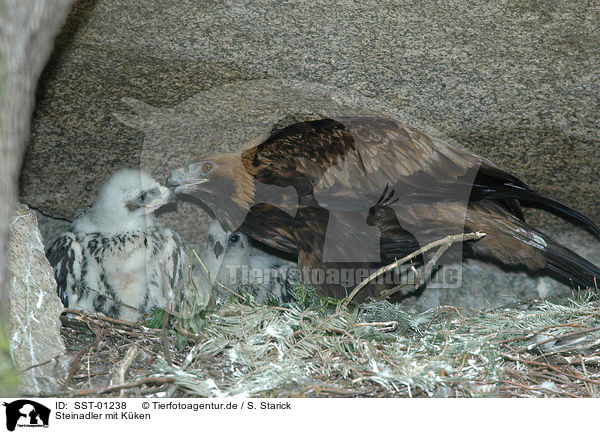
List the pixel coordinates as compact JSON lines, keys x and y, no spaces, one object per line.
{"x":360,"y":192}
{"x":112,"y":257}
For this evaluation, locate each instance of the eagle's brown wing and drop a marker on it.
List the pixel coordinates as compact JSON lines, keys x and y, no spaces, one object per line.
{"x":415,"y":189}
{"x":272,"y":227}
{"x":347,"y":163}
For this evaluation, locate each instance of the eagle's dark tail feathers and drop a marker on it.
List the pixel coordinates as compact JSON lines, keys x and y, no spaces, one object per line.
{"x":515,"y":242}
{"x":531,"y":198}
{"x":495,"y":184}
{"x":571,"y":267}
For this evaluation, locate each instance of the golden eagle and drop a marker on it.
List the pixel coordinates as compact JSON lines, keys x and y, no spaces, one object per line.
{"x":364,"y":191}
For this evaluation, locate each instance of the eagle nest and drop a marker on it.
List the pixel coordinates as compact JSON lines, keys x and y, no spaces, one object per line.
{"x":315,"y":347}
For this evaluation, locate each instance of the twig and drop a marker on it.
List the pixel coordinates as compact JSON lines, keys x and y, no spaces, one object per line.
{"x":531,"y":334}
{"x":538,"y":388}
{"x":387,"y":326}
{"x":122,"y":368}
{"x":462,"y":364}
{"x":78,"y":357}
{"x":187,"y":333}
{"x":330,"y":390}
{"x":37,"y":365}
{"x":420,"y":278}
{"x":311,"y":332}
{"x":548,"y":366}
{"x":558,"y":338}
{"x":449,"y":240}
{"x":101,"y":317}
{"x":573,"y":360}
{"x":167,"y":291}
{"x":108,"y":389}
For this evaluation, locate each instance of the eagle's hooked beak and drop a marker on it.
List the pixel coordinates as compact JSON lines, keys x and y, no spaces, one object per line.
{"x":182,"y":181}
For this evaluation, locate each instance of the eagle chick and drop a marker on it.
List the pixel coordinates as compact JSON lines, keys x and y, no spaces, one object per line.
{"x":235,"y":261}
{"x":110,"y":260}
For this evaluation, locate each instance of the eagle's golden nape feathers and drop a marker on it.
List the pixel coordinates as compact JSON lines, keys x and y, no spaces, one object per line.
{"x":222,"y":183}
{"x":299,"y":189}
{"x":233,"y":166}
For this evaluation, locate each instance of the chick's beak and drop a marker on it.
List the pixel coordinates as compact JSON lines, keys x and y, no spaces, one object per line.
{"x":219,"y":249}
{"x":164,"y":197}
{"x":167,"y":195}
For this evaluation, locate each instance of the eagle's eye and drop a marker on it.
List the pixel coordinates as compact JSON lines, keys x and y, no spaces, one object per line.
{"x":143,"y":196}
{"x":207,"y":167}
{"x":234,"y":238}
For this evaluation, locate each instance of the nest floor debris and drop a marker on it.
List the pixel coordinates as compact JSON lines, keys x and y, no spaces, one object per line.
{"x":312,"y":348}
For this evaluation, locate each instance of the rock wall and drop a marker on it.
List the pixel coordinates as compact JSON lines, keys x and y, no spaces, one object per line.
{"x":34,"y":308}
{"x":512,"y":80}
{"x":159,"y":82}
{"x":27,"y":31}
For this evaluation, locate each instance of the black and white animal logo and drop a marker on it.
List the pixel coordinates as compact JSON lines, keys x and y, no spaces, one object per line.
{"x":26,"y":413}
{"x":112,"y":258}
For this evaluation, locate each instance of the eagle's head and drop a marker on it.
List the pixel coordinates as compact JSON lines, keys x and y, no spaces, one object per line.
{"x":221,"y":182}
{"x":197,"y":179}
{"x":126,"y":202}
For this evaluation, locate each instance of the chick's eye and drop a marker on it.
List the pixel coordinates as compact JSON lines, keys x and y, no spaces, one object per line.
{"x":207,"y":167}
{"x":234,"y":238}
{"x":143,"y":196}
{"x":211,"y":239}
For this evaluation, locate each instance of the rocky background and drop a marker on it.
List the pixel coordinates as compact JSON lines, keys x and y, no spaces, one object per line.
{"x":160,"y":82}
{"x":33,"y":308}
{"x":27,"y":32}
